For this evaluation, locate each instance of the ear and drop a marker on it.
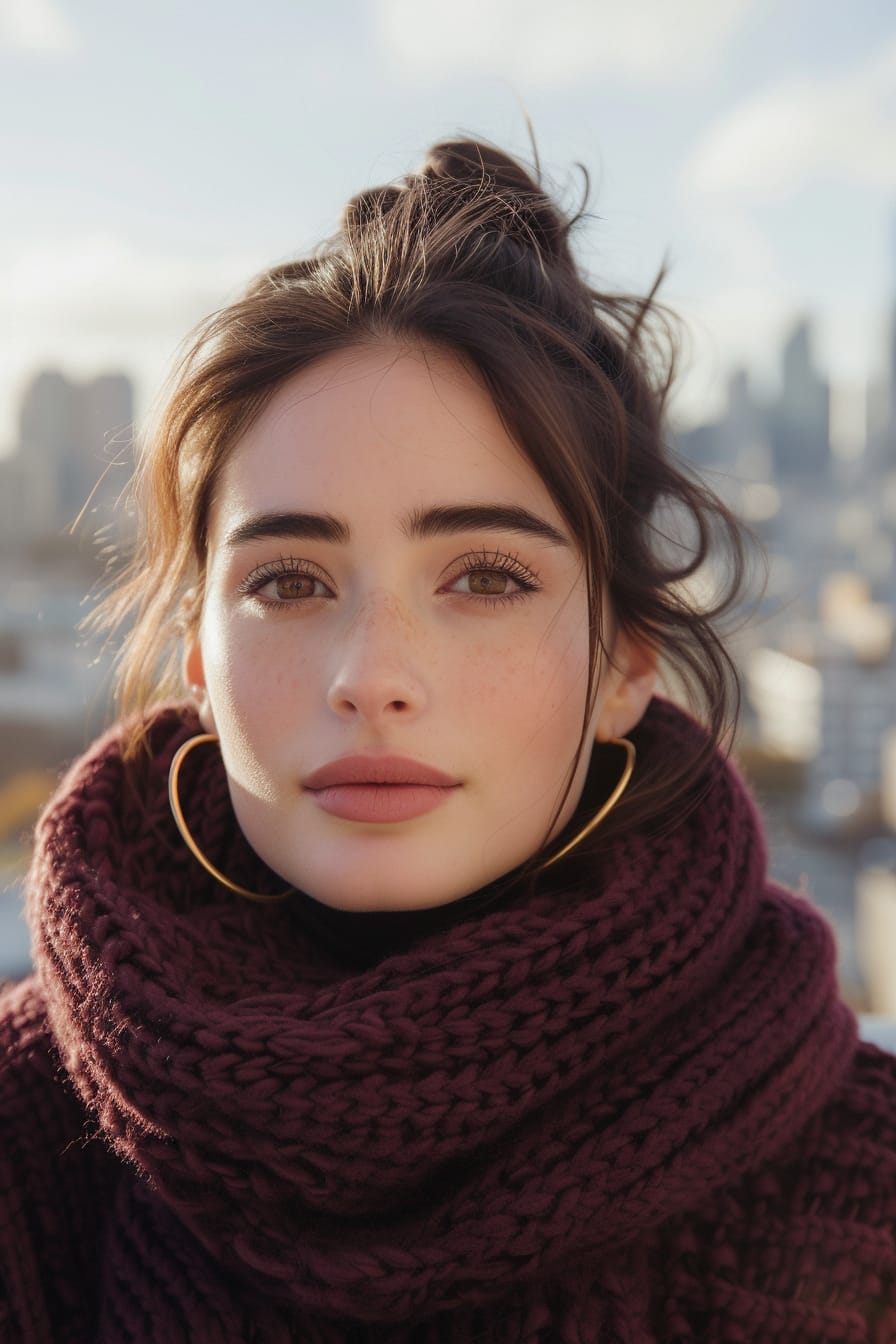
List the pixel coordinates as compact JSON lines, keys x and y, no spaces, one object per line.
{"x":193,"y":669}
{"x":632,"y":679}
{"x":194,"y":676}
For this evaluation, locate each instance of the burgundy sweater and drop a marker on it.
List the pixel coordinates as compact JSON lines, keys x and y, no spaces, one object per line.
{"x":626,"y":1106}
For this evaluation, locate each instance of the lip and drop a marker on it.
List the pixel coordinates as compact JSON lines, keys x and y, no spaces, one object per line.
{"x":400,"y":770}
{"x":380,"y":802}
{"x":379,"y":788}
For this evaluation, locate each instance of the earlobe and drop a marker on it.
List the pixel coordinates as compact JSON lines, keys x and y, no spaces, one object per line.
{"x":192,"y":667}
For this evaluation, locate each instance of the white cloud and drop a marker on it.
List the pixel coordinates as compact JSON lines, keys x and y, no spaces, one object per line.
{"x":101,"y":302}
{"x":546,"y":45}
{"x":772,"y":147}
{"x":772,"y":144}
{"x":741,"y":325}
{"x":38,"y":27}
{"x":101,"y":279}
{"x":745,"y":323}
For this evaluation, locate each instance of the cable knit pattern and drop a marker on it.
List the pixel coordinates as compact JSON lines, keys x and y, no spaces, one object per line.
{"x":622,"y":1111}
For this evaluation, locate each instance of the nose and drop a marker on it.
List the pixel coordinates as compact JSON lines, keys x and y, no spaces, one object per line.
{"x":377,"y":669}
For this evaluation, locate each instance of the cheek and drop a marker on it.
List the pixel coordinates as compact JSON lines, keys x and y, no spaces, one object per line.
{"x":559,"y":665}
{"x":247,"y":660}
{"x":258,"y":690}
{"x":534,"y":691}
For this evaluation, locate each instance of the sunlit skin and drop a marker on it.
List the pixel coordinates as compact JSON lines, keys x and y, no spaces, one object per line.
{"x":465,"y":649}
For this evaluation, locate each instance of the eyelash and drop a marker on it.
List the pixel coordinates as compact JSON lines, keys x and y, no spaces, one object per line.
{"x":494,"y":561}
{"x":501,"y":563}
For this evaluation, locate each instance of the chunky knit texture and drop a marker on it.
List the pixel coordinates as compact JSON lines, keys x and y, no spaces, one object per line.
{"x":627,"y":1109}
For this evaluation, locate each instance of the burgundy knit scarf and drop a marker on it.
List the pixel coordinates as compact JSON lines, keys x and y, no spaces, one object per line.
{"x":475,"y":1139}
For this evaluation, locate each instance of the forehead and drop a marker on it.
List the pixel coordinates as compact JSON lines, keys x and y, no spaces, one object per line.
{"x":376,"y":430}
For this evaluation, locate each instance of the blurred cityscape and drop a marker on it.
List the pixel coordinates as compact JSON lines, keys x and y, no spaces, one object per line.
{"x":72,"y":459}
{"x":811,"y":469}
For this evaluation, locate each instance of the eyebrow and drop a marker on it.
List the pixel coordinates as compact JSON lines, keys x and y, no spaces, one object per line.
{"x":442,"y":520}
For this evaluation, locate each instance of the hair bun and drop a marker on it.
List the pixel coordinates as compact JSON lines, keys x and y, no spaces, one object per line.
{"x":368,"y":205}
{"x":472,"y":162}
{"x":518,"y":205}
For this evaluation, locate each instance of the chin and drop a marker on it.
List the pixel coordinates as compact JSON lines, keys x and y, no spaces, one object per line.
{"x":360,"y":889}
{"x":355,"y":874}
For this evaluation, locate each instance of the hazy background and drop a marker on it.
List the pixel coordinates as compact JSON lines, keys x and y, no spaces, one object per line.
{"x":153,"y":157}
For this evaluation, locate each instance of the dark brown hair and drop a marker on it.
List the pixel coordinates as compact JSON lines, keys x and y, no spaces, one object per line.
{"x":468,"y":253}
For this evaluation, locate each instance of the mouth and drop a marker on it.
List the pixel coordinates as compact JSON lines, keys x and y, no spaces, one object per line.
{"x":379,"y":788}
{"x":381,"y":802}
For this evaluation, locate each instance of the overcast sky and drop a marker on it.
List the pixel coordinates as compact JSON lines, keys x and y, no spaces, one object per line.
{"x":153,"y":156}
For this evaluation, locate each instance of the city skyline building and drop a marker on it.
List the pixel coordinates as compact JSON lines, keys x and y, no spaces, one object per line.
{"x":799,"y":418}
{"x":73,"y":456}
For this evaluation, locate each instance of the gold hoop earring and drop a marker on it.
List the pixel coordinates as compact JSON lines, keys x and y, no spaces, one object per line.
{"x":177,"y":812}
{"x":611,"y":802}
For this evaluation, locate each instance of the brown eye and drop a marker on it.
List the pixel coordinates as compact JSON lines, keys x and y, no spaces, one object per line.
{"x":487,"y":582}
{"x":289,"y":586}
{"x":284,"y":583}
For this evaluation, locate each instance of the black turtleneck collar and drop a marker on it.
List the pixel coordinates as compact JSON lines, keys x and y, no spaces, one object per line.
{"x":361,"y":938}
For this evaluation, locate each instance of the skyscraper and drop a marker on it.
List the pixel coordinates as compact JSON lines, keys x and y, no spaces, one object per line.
{"x":799,"y":421}
{"x":74,"y":450}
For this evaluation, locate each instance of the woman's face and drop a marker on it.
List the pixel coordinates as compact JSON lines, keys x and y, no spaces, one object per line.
{"x":388,"y":577}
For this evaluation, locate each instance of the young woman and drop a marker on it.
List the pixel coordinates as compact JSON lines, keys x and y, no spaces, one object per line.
{"x":406,"y":967}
